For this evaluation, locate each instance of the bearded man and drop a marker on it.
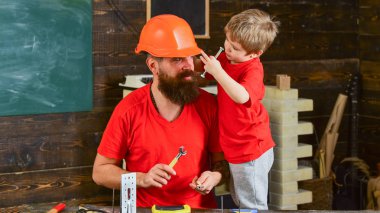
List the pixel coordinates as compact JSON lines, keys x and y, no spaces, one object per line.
{"x":149,"y":125}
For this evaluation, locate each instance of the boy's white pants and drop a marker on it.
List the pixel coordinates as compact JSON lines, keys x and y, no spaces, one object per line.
{"x":249,"y":182}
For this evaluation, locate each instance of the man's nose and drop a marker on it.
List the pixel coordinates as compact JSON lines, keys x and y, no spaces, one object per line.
{"x":188,"y":63}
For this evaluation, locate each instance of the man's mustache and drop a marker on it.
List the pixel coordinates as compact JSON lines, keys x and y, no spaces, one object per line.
{"x":186,"y":73}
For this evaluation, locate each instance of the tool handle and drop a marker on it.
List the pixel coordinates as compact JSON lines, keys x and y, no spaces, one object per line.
{"x":174,"y":161}
{"x":57,"y":208}
{"x":218,"y":53}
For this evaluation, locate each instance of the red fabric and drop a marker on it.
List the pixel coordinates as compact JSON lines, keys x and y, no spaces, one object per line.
{"x":244,"y":128}
{"x":139,"y":134}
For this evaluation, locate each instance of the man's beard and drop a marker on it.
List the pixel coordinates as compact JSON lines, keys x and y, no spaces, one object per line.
{"x":177,"y":89}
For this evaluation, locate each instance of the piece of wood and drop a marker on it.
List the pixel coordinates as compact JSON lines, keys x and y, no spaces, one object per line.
{"x":329,"y":137}
{"x":283,"y":82}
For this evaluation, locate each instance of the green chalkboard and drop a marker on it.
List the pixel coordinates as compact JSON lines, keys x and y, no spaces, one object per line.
{"x":45,"y":56}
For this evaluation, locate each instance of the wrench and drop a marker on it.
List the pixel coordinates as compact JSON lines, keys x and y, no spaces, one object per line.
{"x":181,"y":152}
{"x":203,"y":75}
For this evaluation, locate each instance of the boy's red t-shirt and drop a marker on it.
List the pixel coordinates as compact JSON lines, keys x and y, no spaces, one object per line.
{"x":244,"y":128}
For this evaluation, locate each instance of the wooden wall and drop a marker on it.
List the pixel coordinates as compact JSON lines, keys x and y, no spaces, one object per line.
{"x":369,"y":118}
{"x":49,"y":157}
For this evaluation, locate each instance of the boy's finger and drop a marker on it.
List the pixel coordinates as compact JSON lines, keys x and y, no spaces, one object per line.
{"x":205,"y":55}
{"x":203,"y":60}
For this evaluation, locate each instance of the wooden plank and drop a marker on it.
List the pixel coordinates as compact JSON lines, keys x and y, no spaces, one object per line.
{"x":369,"y":51}
{"x":303,"y":46}
{"x":369,"y":18}
{"x":118,"y":16}
{"x":129,"y":5}
{"x":298,"y":15}
{"x":22,"y":154}
{"x":48,"y":185}
{"x":307,"y":35}
{"x":312,"y":74}
{"x":119,"y":57}
{"x":313,"y":16}
{"x":370,"y":105}
{"x":50,"y":124}
{"x":72,"y":205}
{"x":370,"y":94}
{"x":370,"y":130}
{"x":369,"y":3}
{"x":370,"y":75}
{"x":107,"y":92}
{"x":114,"y":49}
{"x":370,"y":152}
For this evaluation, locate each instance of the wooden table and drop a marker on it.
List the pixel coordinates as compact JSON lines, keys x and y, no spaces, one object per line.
{"x":72,"y":206}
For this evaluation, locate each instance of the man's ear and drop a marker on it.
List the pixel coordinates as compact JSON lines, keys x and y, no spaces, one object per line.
{"x":152,"y":65}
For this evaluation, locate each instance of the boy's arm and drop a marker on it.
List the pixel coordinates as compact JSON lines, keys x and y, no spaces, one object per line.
{"x":235,"y":90}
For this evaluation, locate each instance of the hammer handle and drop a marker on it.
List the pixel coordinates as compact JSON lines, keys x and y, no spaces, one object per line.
{"x":174,"y":161}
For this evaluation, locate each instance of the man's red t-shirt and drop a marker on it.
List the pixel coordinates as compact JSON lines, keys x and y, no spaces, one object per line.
{"x":137,"y":133}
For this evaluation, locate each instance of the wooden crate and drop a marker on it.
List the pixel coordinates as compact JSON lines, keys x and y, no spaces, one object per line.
{"x":322,"y":190}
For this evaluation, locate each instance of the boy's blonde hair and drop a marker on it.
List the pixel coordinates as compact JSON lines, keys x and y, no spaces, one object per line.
{"x":253,"y":29}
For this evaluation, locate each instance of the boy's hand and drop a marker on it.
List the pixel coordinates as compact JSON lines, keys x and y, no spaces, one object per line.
{"x":211,"y":64}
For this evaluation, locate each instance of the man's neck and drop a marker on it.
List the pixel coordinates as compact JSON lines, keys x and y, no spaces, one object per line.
{"x":167,"y":109}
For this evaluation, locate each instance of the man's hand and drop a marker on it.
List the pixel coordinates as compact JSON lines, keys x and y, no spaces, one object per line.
{"x":157,"y":176}
{"x":206,"y":182}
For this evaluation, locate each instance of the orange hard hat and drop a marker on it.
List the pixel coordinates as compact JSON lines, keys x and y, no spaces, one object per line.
{"x":167,"y":36}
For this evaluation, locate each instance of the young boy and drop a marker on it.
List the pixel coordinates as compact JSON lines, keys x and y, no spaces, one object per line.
{"x":243,"y":121}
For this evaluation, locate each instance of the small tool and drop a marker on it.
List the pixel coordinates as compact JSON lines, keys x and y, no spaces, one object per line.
{"x":244,"y":210}
{"x":128,"y":193}
{"x":199,"y":187}
{"x":180,"y":153}
{"x":203,"y":75}
{"x":171,"y":209}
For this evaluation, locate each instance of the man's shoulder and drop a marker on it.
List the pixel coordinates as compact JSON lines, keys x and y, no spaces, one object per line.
{"x":205,"y":101}
{"x":134,"y":98}
{"x":206,"y":96}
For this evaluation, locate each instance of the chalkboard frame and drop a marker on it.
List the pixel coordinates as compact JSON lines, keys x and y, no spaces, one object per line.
{"x":150,"y":9}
